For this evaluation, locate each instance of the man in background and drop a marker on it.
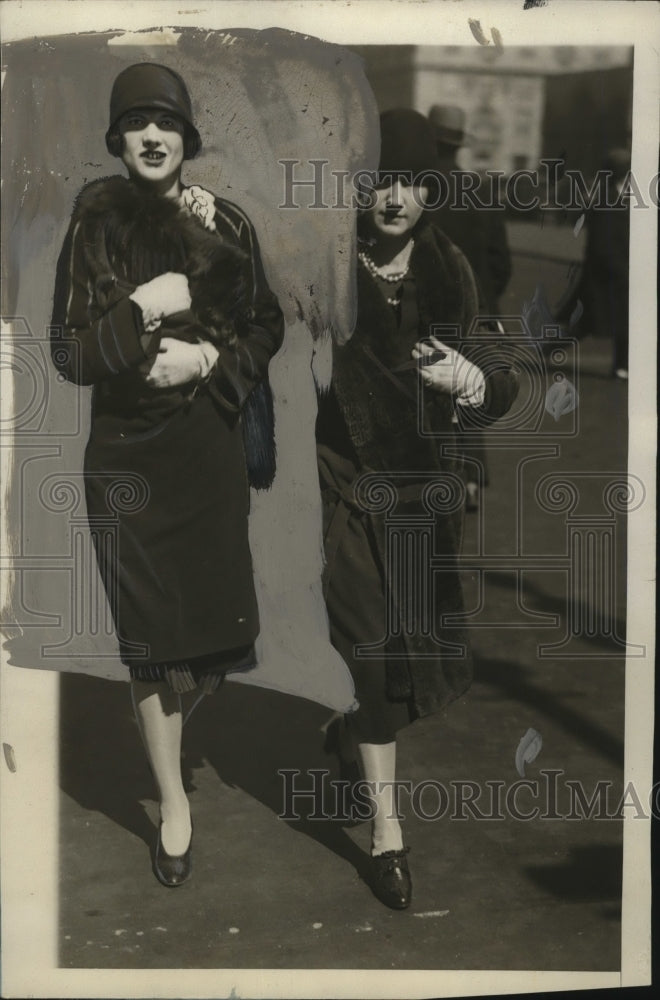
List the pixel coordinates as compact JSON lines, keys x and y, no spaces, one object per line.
{"x":481,"y":234}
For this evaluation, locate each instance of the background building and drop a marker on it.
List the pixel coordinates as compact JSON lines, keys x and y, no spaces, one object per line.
{"x":522,"y":103}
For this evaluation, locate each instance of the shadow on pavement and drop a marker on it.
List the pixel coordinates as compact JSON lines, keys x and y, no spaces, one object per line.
{"x":591,"y":874}
{"x":102,"y":763}
{"x":246,"y":734}
{"x":544,"y":601}
{"x":250,"y":735}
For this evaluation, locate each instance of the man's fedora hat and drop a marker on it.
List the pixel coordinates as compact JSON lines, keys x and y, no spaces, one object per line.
{"x":448,"y":120}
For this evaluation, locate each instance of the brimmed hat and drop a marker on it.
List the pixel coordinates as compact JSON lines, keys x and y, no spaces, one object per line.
{"x":448,"y":122}
{"x":151,"y":85}
{"x":407,"y":143}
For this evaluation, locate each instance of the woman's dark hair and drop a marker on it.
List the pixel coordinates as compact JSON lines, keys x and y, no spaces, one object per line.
{"x":191,"y":141}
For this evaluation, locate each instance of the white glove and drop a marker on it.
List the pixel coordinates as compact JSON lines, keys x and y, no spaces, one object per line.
{"x":451,"y":372}
{"x":162,"y":296}
{"x":178,"y":363}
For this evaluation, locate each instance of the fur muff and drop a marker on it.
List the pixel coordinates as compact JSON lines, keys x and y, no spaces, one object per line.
{"x":147,"y":235}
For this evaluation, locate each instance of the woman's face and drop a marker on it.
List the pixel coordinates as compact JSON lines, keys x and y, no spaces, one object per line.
{"x":397,"y":208}
{"x":153,"y":145}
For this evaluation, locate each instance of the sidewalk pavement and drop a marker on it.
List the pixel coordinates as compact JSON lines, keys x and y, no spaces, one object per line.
{"x":549,"y":237}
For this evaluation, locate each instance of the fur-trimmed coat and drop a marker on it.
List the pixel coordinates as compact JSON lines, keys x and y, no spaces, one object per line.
{"x":165,"y":469}
{"x":374,"y":417}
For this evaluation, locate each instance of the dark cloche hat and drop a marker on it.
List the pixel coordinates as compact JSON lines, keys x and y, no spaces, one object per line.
{"x":407,"y":142}
{"x":151,"y":85}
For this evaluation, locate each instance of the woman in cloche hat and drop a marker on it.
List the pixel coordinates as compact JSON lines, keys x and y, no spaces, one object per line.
{"x":161,"y":304}
{"x":382,"y":462}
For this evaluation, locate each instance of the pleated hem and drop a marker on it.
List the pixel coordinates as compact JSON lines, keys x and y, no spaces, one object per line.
{"x":204,"y":674}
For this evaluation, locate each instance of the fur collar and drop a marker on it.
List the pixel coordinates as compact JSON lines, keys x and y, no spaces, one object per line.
{"x":435,"y":262}
{"x":381,"y":416}
{"x":138,"y":235}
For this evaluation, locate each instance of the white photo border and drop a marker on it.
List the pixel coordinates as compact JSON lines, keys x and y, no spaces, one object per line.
{"x":30,"y":794}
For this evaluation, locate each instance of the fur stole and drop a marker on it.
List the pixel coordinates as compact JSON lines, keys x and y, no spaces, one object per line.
{"x":380,"y":412}
{"x":144,"y":235}
{"x":135,"y":236}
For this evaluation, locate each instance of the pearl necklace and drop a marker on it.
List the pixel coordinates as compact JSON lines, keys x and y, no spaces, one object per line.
{"x":376,"y":271}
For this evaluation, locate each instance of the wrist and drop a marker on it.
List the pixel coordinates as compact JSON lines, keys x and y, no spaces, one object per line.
{"x":207,"y":358}
{"x":473,"y":387}
{"x":152,"y":315}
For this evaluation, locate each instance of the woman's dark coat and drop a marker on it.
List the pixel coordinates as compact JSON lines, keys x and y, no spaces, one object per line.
{"x":165,"y":469}
{"x":596,"y":301}
{"x":374,"y":405}
{"x":481,"y":235}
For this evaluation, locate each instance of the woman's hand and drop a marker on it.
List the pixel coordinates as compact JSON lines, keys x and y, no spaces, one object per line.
{"x":178,"y":362}
{"x":162,"y":296}
{"x":445,"y":370}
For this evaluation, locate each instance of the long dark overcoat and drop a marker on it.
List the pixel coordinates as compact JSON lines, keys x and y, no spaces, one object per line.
{"x":600,"y":284}
{"x":375,"y":406}
{"x":165,"y":469}
{"x":603,"y":287}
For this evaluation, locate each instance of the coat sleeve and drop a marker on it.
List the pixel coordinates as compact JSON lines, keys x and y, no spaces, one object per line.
{"x":241,"y":367}
{"x":89,"y":345}
{"x":487,"y":350}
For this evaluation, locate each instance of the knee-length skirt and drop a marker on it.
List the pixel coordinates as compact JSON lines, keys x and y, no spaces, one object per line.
{"x":168,"y":511}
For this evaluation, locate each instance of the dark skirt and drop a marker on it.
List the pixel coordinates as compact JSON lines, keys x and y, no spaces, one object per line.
{"x":168,"y":513}
{"x":356,"y":600}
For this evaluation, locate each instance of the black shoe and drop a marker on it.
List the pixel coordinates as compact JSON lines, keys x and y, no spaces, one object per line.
{"x":390,"y":880}
{"x":172,"y":869}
